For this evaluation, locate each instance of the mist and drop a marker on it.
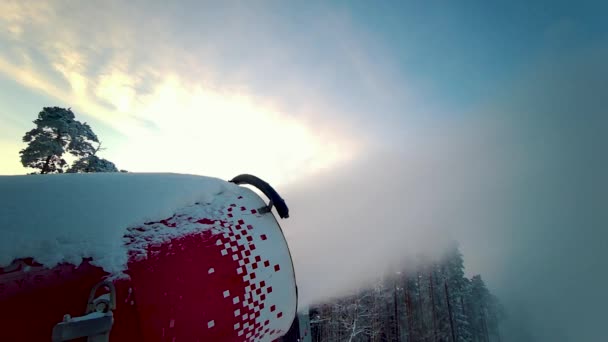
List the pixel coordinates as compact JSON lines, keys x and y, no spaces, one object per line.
{"x":519,"y":183}
{"x":390,"y":207}
{"x":483,"y":124}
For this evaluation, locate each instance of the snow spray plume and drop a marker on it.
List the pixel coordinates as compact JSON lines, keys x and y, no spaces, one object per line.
{"x":385,"y":210}
{"x":520,"y":184}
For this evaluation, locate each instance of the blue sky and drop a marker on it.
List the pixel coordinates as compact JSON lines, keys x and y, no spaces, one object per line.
{"x":474,"y":120}
{"x":383,"y":66}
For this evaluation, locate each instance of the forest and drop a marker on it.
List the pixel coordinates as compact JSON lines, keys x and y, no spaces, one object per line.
{"x":434,"y":302}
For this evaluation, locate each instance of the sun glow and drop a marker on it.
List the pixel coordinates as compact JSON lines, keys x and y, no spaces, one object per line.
{"x":216,"y":133}
{"x":158,"y":117}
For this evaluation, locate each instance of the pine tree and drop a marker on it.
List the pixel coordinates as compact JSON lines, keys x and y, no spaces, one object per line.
{"x":57,"y":131}
{"x":92,"y":163}
{"x":457,"y":287}
{"x":486,"y":312}
{"x":433,"y":302}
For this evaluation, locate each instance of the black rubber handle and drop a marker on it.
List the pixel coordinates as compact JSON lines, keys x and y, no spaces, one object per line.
{"x":274,"y":197}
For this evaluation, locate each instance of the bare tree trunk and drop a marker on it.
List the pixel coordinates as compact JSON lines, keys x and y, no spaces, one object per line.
{"x":45,"y":168}
{"x":354,"y":329}
{"x":433,"y":306}
{"x":397,"y":332}
{"x":447,"y":299}
{"x":462,"y":304}
{"x":409,"y":313}
{"x":485,"y":325}
{"x":421,"y":321}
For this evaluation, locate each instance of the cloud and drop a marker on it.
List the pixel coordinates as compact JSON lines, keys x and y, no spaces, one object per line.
{"x":171,"y":99}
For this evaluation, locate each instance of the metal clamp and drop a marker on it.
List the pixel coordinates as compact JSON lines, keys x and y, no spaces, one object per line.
{"x":97,"y":322}
{"x":103,"y":303}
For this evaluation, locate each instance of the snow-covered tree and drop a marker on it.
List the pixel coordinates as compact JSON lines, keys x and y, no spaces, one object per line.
{"x":92,"y":164}
{"x":457,"y":289}
{"x":485,"y":312}
{"x":57,"y":131}
{"x":432,"y":301}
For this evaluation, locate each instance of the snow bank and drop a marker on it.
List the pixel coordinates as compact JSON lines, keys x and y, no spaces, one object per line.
{"x":68,"y":217}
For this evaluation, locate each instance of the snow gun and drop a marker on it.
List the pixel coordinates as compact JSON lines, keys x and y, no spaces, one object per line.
{"x":143,"y":257}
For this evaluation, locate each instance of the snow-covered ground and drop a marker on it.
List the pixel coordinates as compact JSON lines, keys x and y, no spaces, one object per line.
{"x":68,"y":217}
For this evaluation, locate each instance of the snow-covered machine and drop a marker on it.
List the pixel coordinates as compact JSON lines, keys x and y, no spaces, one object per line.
{"x":142,"y":257}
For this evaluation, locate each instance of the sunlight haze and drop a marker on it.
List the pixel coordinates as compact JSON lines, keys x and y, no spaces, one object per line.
{"x":390,"y":128}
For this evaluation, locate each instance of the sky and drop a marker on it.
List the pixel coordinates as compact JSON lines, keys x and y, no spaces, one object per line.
{"x":389,"y":127}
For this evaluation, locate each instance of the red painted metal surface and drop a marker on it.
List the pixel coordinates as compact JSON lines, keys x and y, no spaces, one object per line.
{"x":34,"y":298}
{"x":231,"y":281}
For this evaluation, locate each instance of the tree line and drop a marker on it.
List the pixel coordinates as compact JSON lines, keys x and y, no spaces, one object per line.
{"x":433,"y":303}
{"x":57,"y":133}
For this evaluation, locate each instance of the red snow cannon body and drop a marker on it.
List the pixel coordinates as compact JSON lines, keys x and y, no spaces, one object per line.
{"x":218,"y":271}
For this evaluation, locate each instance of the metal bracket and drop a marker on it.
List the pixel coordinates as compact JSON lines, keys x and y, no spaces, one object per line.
{"x":266,"y":209}
{"x":96,"y":326}
{"x":275,"y":200}
{"x":97,"y":322}
{"x":103,"y":303}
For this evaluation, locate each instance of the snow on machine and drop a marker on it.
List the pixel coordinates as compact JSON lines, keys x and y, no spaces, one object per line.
{"x":142,"y":257}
